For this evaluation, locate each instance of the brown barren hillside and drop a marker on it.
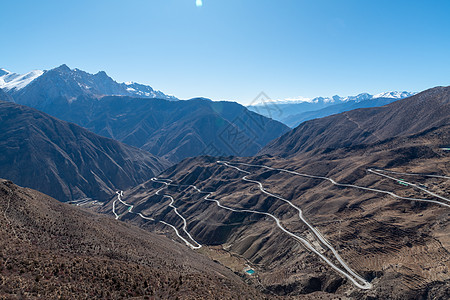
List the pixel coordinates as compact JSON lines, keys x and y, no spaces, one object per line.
{"x":51,"y":250}
{"x":392,"y":233}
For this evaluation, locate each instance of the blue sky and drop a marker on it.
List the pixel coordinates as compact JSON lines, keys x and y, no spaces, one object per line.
{"x":234,"y":49}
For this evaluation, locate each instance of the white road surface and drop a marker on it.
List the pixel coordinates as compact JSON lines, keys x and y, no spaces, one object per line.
{"x":351,"y":185}
{"x":446,"y":200}
{"x":346,"y":271}
{"x":130,"y":210}
{"x":350,"y":274}
{"x":413,"y":174}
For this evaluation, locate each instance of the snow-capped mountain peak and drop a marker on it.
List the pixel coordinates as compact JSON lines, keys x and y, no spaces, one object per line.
{"x":143,"y":90}
{"x":337,"y":99}
{"x":72,"y":83}
{"x":394,"y":95}
{"x":4,"y":72}
{"x":12,"y":81}
{"x":357,"y":98}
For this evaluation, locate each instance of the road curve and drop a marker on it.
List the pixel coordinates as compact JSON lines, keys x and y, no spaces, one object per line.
{"x":413,"y":174}
{"x":350,"y":274}
{"x":130,"y":210}
{"x":378,"y":172}
{"x":346,"y":185}
{"x":184,"y":223}
{"x":365,"y":285}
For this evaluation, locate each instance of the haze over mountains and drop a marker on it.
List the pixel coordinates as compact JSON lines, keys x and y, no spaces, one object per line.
{"x":294,"y":112}
{"x":175,"y":130}
{"x":62,"y":85}
{"x":429,"y":110}
{"x":166,"y":128}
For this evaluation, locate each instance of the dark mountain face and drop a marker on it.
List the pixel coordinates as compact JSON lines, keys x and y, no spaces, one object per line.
{"x":62,"y":85}
{"x":173,"y":129}
{"x":420,"y":113}
{"x":65,"y":160}
{"x":52,"y":250}
{"x":4,"y":96}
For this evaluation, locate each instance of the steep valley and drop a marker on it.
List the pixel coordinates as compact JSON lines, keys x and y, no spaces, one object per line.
{"x":392,"y":234}
{"x":222,"y":150}
{"x":354,"y":205}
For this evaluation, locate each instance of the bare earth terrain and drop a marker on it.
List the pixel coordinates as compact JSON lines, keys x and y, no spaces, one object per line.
{"x":363,"y":218}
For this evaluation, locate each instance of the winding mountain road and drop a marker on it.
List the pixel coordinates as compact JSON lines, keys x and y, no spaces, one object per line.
{"x":130,"y":210}
{"x":356,"y":279}
{"x":359,"y":187}
{"x":351,"y":275}
{"x":413,"y":174}
{"x":347,"y":272}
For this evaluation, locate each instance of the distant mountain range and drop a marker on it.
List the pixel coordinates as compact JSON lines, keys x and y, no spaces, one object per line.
{"x":341,"y":206}
{"x":139,"y":116}
{"x":36,"y":88}
{"x":293,"y":112}
{"x":336,"y":98}
{"x":67,"y":161}
{"x":324,"y":168}
{"x":422,"y":112}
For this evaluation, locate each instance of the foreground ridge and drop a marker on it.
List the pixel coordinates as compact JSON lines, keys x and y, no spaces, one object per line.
{"x":345,"y":270}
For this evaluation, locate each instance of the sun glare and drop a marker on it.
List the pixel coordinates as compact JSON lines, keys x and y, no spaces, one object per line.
{"x":199,"y":3}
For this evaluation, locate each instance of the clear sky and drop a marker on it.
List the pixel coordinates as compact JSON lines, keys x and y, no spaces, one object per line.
{"x":234,"y":49}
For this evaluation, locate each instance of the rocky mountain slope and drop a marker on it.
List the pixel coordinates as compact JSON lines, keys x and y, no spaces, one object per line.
{"x":67,"y":161}
{"x":420,"y":113}
{"x":392,"y":233}
{"x":174,"y":129}
{"x":52,"y":250}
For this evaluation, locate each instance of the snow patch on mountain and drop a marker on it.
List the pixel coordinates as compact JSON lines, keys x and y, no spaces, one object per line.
{"x":4,"y":72}
{"x":146,"y":91}
{"x":10,"y":81}
{"x":394,"y":95}
{"x":97,"y":84}
{"x":337,"y":99}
